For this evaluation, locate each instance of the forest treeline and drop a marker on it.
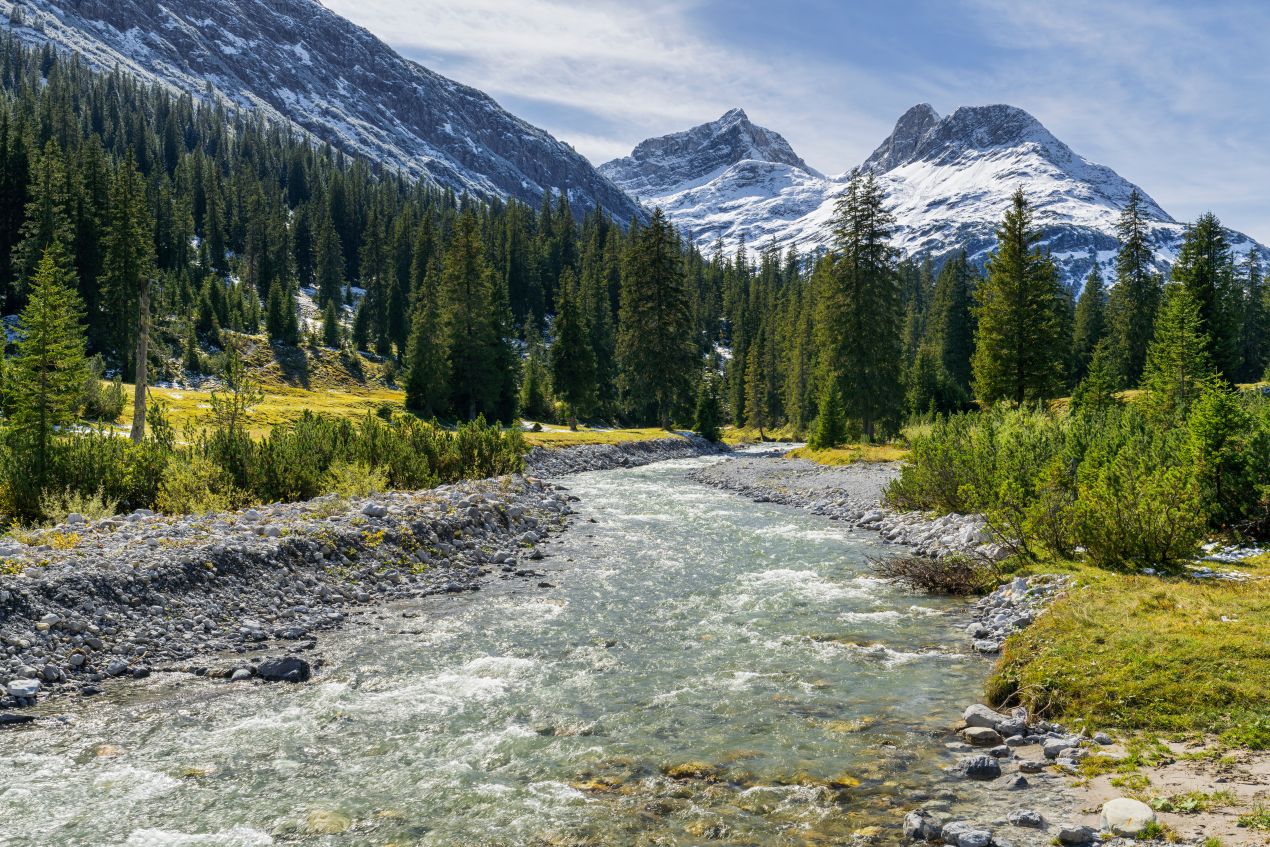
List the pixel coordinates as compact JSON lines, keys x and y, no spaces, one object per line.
{"x":150,"y":234}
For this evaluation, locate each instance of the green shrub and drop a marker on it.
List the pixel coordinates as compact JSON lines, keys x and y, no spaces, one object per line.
{"x":194,"y":485}
{"x":355,"y":479}
{"x":1138,"y":506}
{"x":1230,"y":440}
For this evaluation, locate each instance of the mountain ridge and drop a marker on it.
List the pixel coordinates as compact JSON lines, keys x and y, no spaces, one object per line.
{"x":947,"y":180}
{"x":299,"y":63}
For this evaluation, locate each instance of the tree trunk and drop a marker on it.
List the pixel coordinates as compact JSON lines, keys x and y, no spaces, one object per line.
{"x":573,"y":420}
{"x":143,"y":352}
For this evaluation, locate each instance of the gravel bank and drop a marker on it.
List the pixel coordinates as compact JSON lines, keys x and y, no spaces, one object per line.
{"x":141,"y":593}
{"x":852,"y":494}
{"x":627,"y":454}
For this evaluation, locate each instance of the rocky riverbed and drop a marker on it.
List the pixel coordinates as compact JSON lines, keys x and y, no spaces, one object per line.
{"x":853,"y":495}
{"x":627,"y":454}
{"x":234,"y":594}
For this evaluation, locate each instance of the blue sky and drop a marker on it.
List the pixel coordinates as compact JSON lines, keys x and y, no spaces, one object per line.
{"x":1174,"y":96}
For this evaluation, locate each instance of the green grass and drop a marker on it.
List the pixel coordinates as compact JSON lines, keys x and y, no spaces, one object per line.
{"x":1141,"y":653}
{"x":1256,"y":819}
{"x":850,"y":454}
{"x":739,"y":436}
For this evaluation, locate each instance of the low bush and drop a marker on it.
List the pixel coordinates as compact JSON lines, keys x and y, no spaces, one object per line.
{"x":952,"y":575}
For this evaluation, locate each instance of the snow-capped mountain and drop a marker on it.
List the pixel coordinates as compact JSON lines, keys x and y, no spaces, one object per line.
{"x":298,"y":62}
{"x":948,"y":182}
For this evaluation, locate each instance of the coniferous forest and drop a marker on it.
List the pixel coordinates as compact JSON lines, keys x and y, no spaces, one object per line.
{"x":144,"y":237}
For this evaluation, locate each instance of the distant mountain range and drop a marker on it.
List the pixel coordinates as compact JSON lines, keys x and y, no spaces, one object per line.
{"x":296,"y":61}
{"x":948,"y":182}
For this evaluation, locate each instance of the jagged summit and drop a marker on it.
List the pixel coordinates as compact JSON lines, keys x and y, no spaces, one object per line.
{"x":298,"y":63}
{"x":673,"y":162}
{"x":948,"y":181}
{"x":904,"y":140}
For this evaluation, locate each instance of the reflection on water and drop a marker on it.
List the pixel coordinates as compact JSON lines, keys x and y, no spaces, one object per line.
{"x":704,"y":670}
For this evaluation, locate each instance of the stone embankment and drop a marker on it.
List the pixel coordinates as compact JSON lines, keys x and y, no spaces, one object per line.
{"x":627,"y":454}
{"x":852,"y":494}
{"x":240,"y":594}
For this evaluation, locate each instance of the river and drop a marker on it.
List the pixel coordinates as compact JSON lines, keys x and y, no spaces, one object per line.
{"x":699,"y":669}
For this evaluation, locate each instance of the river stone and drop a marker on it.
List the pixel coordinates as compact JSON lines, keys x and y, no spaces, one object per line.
{"x":375,"y":510}
{"x":1030,"y":766}
{"x":966,"y":834}
{"x":982,"y":736}
{"x":284,"y":669}
{"x":1125,"y":816}
{"x":24,"y":688}
{"x":1027,"y":818}
{"x":7,"y":718}
{"x":980,"y":767}
{"x":1077,"y":835}
{"x":1017,"y":783}
{"x":981,"y":715}
{"x":921,"y":826}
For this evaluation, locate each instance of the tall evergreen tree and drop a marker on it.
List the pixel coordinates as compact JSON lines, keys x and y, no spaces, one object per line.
{"x":127,"y":274}
{"x":1205,"y":267}
{"x":1091,"y":321}
{"x":656,"y":352}
{"x":1178,"y":362}
{"x":46,"y":380}
{"x":427,"y":356}
{"x":467,"y":300}
{"x":572,"y":360}
{"x":1255,"y":341}
{"x":859,"y":313}
{"x":1135,"y":298}
{"x":1020,"y":349}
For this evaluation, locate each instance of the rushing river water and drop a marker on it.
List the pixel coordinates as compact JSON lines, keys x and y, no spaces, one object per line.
{"x":703,"y":669}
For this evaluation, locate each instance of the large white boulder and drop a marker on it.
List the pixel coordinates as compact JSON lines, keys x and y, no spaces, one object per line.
{"x":1127,"y":817}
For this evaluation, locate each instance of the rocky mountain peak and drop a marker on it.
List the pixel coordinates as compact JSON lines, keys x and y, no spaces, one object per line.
{"x":663,"y":164}
{"x":904,"y":140}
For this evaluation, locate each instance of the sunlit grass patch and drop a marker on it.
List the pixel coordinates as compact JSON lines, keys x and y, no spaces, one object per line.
{"x":553,"y":436}
{"x":1176,"y":656}
{"x":851,"y":453}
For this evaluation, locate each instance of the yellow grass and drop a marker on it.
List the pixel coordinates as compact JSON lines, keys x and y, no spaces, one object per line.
{"x":741,"y":435}
{"x":553,"y":436}
{"x":851,"y":453}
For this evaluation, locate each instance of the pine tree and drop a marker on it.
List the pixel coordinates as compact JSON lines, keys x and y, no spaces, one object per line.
{"x":427,"y":358}
{"x":1255,"y":341}
{"x":1097,"y":391}
{"x":46,"y":380}
{"x":572,"y":360}
{"x":328,"y":261}
{"x":1091,"y":321}
{"x":331,"y":334}
{"x":656,"y":352}
{"x":709,"y":411}
{"x":1178,"y":364}
{"x":1019,"y":350}
{"x":858,"y":317}
{"x":1135,"y":298}
{"x":830,"y":429}
{"x":47,"y":212}
{"x":535,"y":387}
{"x":1205,"y":267}
{"x":471,"y":332}
{"x":756,"y":407}
{"x":127,"y":273}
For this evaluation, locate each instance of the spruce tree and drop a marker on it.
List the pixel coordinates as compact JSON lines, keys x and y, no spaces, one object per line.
{"x":331,"y":335}
{"x":427,"y":358}
{"x":1178,"y":366}
{"x":572,"y":359}
{"x":1090,"y":323}
{"x":1097,"y":390}
{"x":709,"y":411}
{"x":47,"y":213}
{"x":127,"y":274}
{"x":859,"y":314}
{"x":656,"y":352}
{"x":46,"y":379}
{"x":1135,"y":298}
{"x":830,"y":429}
{"x":328,"y":262}
{"x":467,"y":303}
{"x":1255,"y":341}
{"x":535,"y":384}
{"x":1205,"y":267}
{"x":756,"y":407}
{"x":1020,"y":350}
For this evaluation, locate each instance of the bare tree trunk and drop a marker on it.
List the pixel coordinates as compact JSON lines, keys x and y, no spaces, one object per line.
{"x":143,"y":352}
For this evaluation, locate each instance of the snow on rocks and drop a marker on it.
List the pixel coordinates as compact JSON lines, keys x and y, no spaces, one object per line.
{"x":144,"y":591}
